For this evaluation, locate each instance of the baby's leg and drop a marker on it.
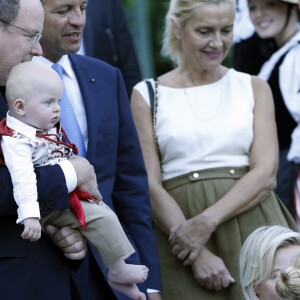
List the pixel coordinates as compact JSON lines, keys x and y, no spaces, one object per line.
{"x":129,"y":289}
{"x":120,"y":272}
{"x":106,"y":233}
{"x":123,"y":277}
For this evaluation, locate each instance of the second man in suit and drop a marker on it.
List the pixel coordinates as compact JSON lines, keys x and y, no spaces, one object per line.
{"x":101,"y":106}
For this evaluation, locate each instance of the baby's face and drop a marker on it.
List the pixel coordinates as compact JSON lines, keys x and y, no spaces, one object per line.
{"x":42,"y":110}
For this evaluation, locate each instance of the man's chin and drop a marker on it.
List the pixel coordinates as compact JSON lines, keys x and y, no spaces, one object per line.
{"x":73,"y":49}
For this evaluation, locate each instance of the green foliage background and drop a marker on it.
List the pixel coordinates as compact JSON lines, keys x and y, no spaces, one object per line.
{"x":158,"y":10}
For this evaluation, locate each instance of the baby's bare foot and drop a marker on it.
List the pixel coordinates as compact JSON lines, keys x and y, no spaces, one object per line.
{"x":126,"y":273}
{"x":129,"y":289}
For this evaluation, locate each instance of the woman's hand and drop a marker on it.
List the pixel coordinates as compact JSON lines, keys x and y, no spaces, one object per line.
{"x":210,"y":271}
{"x":189,"y":238}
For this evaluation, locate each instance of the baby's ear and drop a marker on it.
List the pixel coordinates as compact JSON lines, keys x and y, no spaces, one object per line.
{"x":19,"y":106}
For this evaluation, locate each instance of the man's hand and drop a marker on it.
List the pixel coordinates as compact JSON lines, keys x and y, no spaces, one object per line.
{"x":32,"y":229}
{"x":72,"y":243}
{"x":86,"y":177}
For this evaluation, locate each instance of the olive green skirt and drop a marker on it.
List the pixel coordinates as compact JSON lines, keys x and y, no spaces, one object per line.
{"x":194,"y":192}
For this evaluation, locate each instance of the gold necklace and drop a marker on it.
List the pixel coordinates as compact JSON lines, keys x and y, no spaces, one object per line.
{"x":214,"y":113}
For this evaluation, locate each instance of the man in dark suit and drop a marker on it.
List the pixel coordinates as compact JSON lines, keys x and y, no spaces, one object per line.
{"x":98,"y":95}
{"x":107,"y":37}
{"x":40,"y":270}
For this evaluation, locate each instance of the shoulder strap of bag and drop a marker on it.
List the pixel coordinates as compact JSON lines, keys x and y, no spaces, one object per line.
{"x":153,"y":96}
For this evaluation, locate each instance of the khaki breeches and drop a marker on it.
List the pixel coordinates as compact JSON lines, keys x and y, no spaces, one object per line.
{"x":104,"y":230}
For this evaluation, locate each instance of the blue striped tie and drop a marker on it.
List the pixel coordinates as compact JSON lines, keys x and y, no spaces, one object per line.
{"x":68,"y":119}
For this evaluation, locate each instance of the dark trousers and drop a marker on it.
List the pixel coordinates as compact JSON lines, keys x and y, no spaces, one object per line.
{"x":286,"y":177}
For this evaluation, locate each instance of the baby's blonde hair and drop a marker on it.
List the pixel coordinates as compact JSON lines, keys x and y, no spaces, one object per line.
{"x":28,"y":78}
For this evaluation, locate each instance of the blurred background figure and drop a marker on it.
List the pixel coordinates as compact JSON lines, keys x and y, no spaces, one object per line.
{"x":273,"y":53}
{"x":267,"y":250}
{"x":243,"y":27}
{"x":107,"y":37}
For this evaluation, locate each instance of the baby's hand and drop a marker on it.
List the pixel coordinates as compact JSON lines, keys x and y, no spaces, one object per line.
{"x":32,"y":229}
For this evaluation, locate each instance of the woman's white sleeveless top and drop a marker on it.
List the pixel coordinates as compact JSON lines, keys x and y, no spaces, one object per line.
{"x":206,"y":126}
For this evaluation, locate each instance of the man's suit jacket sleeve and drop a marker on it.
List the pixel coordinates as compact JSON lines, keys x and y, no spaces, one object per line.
{"x":52,"y":190}
{"x":131,"y":198}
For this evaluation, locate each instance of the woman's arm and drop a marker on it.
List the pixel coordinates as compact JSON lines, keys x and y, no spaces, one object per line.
{"x":166,"y":212}
{"x":249,"y":191}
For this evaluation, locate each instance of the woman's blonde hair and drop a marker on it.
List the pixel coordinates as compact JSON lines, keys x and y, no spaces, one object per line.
{"x":288,"y":280}
{"x":180,"y":11}
{"x":257,"y":255}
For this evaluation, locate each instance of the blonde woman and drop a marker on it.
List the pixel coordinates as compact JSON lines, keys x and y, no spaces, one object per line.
{"x":211,"y":181}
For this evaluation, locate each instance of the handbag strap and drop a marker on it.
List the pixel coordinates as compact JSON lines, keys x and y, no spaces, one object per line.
{"x":153,"y":96}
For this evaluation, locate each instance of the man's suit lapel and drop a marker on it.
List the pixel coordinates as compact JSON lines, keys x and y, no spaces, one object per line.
{"x":89,"y":87}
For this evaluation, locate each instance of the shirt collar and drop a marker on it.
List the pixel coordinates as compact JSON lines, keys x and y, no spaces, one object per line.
{"x":64,"y":62}
{"x":25,"y":129}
